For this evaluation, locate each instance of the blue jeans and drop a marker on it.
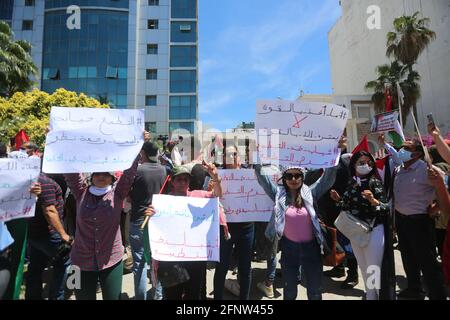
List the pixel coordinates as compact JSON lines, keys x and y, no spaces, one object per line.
{"x":271,"y":268}
{"x":242,"y":237}
{"x":140,"y":266}
{"x":42,"y":251}
{"x":307,"y":255}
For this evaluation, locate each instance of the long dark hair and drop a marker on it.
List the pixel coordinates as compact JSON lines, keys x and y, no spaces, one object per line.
{"x":355,"y":159}
{"x":297,"y":202}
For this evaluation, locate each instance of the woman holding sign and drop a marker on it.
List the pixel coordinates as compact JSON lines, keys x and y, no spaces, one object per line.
{"x":242,"y":234}
{"x":97,"y":249}
{"x":295,"y":223}
{"x":180,"y":179}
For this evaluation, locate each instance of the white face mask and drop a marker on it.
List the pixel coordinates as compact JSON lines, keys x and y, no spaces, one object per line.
{"x":404,"y":155}
{"x":99,"y":191}
{"x":363,"y":170}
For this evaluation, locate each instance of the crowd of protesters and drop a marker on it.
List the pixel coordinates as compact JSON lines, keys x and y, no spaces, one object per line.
{"x":79,"y":222}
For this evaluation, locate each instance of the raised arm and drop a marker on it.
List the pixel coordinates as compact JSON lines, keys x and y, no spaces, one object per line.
{"x":441,"y":146}
{"x":126,"y":180}
{"x":265,"y":182}
{"x":324,"y":183}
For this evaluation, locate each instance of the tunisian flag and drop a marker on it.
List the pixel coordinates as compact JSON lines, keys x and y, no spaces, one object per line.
{"x":20,"y":138}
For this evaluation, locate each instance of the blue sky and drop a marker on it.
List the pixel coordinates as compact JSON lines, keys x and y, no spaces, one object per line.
{"x":260,"y":49}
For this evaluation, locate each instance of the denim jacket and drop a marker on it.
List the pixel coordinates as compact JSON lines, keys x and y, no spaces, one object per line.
{"x":275,"y":227}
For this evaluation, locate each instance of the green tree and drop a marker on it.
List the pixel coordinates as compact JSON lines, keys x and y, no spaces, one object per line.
{"x":16,"y":64}
{"x":389,"y":75}
{"x":409,"y":39}
{"x":31,"y":111}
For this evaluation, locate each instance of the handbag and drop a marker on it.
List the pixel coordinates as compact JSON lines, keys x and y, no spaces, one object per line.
{"x":171,"y":274}
{"x":356,"y":230}
{"x":334,"y":254}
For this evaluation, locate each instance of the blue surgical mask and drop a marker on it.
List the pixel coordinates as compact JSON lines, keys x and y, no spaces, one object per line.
{"x":404,"y":155}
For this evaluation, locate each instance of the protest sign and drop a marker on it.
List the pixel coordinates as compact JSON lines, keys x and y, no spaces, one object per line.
{"x":299,"y":133}
{"x":92,"y":139}
{"x":16,"y":178}
{"x":243,"y":199}
{"x":184,"y":229}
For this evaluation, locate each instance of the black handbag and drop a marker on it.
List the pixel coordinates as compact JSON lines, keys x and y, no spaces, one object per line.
{"x":171,"y":274}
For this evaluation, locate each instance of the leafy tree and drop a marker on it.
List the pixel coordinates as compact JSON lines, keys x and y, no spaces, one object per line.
{"x":16,"y":64}
{"x":31,"y":111}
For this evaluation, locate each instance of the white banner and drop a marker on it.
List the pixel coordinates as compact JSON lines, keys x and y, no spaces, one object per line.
{"x":184,"y":229}
{"x":299,"y":133}
{"x":92,"y":139}
{"x":16,"y":178}
{"x":244,"y":200}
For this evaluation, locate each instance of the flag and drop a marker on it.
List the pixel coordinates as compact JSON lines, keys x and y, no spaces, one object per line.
{"x":397,"y":136}
{"x":382,"y":165}
{"x":388,"y":99}
{"x":20,"y":138}
{"x":363,"y":145}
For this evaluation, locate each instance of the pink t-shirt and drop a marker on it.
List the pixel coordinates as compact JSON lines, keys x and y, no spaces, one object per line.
{"x":298,"y":225}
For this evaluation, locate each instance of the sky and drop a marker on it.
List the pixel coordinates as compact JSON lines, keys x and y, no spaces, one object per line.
{"x":252,"y":50}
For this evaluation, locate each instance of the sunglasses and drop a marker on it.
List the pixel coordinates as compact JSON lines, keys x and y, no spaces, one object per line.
{"x":289,"y":176}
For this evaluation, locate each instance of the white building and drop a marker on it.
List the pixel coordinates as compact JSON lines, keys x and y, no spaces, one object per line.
{"x":356,"y":50}
{"x":132,"y":54}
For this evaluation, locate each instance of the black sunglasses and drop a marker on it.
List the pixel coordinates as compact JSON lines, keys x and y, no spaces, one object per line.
{"x":289,"y":176}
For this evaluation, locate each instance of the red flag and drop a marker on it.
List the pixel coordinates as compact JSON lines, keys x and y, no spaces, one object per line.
{"x":20,"y":138}
{"x":363,"y":145}
{"x":388,"y":98}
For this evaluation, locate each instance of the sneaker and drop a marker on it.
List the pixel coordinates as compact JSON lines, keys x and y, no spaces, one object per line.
{"x":415,"y":294}
{"x":232,"y":286}
{"x":335,"y":273}
{"x":268,"y":291}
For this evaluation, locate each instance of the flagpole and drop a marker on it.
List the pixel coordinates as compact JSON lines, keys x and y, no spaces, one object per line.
{"x":425,"y":150}
{"x":399,"y":98}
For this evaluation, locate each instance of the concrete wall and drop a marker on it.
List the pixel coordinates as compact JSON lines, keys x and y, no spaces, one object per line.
{"x":355,"y":52}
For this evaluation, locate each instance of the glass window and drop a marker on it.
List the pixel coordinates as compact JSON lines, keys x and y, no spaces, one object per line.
{"x":152,"y":24}
{"x":82,"y":72}
{"x":111,"y":72}
{"x":122,"y":73}
{"x":184,"y":9}
{"x":73,"y":72}
{"x":182,"y":81}
{"x":92,"y":72}
{"x":183,"y":56}
{"x":53,"y":73}
{"x":183,"y":107}
{"x":152,"y":48}
{"x":45,"y":73}
{"x":150,"y":100}
{"x":150,"y":127}
{"x":189,"y":126}
{"x":27,"y":25}
{"x":153,"y":2}
{"x":152,"y":74}
{"x":29,"y":3}
{"x":183,"y":32}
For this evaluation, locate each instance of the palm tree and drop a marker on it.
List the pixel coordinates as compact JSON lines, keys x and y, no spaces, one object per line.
{"x":410,"y":38}
{"x":389,"y":75}
{"x":16,"y":64}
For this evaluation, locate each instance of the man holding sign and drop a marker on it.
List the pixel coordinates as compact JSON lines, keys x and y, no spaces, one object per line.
{"x":196,"y":267}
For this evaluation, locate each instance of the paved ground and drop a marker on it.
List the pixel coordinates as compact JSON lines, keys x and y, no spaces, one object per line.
{"x":332,"y":290}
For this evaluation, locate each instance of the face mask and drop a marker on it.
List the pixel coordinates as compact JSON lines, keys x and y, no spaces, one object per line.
{"x":363,"y":170}
{"x":99,"y":191}
{"x":404,"y":155}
